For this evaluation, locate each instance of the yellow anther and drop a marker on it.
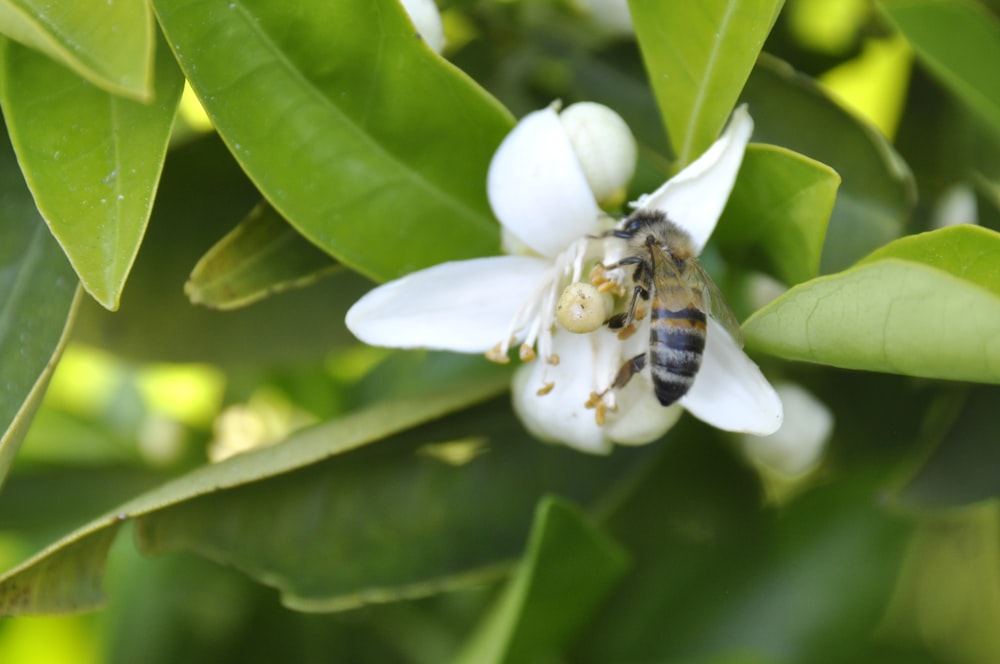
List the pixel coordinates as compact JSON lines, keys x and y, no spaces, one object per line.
{"x":526,"y":353}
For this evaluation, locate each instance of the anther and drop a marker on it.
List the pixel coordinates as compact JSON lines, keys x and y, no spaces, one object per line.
{"x":545,"y":389}
{"x":526,"y":353}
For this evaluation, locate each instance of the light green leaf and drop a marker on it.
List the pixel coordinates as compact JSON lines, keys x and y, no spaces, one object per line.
{"x":38,"y":294}
{"x":349,"y":125}
{"x":261,"y":256}
{"x":54,"y":571}
{"x":567,"y":556}
{"x":698,"y":55}
{"x":110,"y":44}
{"x":780,"y":206}
{"x":877,"y":191}
{"x":92,"y":160}
{"x":926,"y":305}
{"x":959,"y":41}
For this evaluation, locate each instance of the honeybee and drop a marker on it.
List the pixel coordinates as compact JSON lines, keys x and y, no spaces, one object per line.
{"x":667,"y":271}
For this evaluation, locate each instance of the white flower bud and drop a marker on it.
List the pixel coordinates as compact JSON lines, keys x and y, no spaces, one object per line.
{"x":427,"y":20}
{"x":604,"y":147}
{"x":611,"y":15}
{"x":581,"y":308}
{"x":798,"y":444}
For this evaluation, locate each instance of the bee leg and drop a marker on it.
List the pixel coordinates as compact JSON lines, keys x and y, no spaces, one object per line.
{"x":642,"y":284}
{"x":629,"y":369}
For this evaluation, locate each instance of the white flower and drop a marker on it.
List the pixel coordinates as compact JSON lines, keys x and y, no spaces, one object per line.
{"x":539,"y":191}
{"x":426,"y":18}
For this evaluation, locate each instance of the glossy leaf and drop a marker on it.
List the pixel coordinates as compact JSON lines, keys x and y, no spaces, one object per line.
{"x":532,"y":622}
{"x":780,"y":206}
{"x":202,"y":196}
{"x":92,"y":160}
{"x":876,"y":192}
{"x":715,"y":573}
{"x":368,"y":143}
{"x":926,"y":305}
{"x":261,"y":256}
{"x":698,"y":56}
{"x":37,"y":300}
{"x":54,"y":571}
{"x":959,"y":41}
{"x":428,"y":525}
{"x":110,"y":44}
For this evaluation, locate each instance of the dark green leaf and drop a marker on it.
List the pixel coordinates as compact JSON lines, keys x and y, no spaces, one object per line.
{"x":959,"y":41}
{"x":876,"y":192}
{"x":926,"y":305}
{"x":698,"y":55}
{"x":261,"y":256}
{"x":92,"y":160}
{"x":568,"y":556}
{"x":55,"y":572}
{"x":37,"y":302}
{"x":369,"y":144}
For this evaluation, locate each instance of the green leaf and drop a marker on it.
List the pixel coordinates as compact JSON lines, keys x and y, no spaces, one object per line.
{"x":38,"y":295}
{"x":110,"y":44}
{"x":92,"y":160}
{"x":926,"y":305}
{"x":780,"y":206}
{"x":261,"y":256}
{"x":877,"y":191}
{"x":698,"y":55}
{"x":202,"y":195}
{"x":368,"y":143}
{"x":567,"y":555}
{"x":428,"y":524}
{"x":959,"y":42}
{"x":53,"y":572}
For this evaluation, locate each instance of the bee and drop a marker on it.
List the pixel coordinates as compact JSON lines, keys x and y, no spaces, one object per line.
{"x":682,"y":295}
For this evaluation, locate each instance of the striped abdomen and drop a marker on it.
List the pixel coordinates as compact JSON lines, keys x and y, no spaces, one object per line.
{"x":676,"y":344}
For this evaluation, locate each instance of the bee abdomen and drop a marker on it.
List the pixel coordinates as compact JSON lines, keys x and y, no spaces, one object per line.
{"x":676,"y":345}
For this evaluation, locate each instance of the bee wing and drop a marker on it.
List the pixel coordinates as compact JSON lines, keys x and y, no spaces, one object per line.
{"x":715,"y":303}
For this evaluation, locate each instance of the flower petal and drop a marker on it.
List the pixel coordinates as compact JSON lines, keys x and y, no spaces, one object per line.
{"x":695,"y":197}
{"x":537,"y":187}
{"x":462,"y":306}
{"x":560,"y":415}
{"x":640,"y":418}
{"x":730,"y":392}
{"x":798,"y":445}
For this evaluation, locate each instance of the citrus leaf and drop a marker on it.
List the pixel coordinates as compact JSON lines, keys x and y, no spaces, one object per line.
{"x":348,"y":124}
{"x":38,"y":294}
{"x":261,"y":256}
{"x":568,"y":555}
{"x":780,"y":205}
{"x":29,"y":586}
{"x":877,"y":190}
{"x":110,"y":44}
{"x":92,"y":160}
{"x":959,"y":42}
{"x":698,"y":56}
{"x":926,"y":305}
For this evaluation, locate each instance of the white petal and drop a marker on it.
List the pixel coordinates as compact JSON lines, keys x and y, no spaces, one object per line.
{"x":695,"y":197}
{"x":537,"y":188}
{"x":426,"y":19}
{"x":640,"y":418}
{"x":463,"y":306}
{"x":730,"y":392}
{"x":799,"y":443}
{"x":560,"y":415}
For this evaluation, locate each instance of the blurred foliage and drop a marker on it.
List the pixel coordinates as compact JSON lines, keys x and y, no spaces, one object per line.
{"x":364,"y":505}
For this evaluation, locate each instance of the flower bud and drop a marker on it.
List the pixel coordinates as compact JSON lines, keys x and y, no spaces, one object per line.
{"x":427,"y":20}
{"x":604,"y":147}
{"x":581,"y":308}
{"x":798,"y":444}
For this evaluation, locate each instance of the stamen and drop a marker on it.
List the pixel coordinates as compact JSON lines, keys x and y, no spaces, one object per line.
{"x":545,"y":389}
{"x":526,"y":353}
{"x":498,"y":354}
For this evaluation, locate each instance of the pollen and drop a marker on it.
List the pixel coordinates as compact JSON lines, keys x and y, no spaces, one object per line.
{"x":626,"y":331}
{"x":526,"y":353}
{"x":545,"y":389}
{"x":497,"y":354}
